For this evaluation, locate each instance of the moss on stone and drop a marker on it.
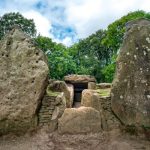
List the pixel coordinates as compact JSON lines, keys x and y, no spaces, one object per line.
{"x":52,"y":93}
{"x":104,"y":92}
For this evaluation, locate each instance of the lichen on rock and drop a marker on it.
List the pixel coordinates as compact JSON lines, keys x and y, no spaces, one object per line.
{"x":131,"y":85}
{"x":23,"y":78}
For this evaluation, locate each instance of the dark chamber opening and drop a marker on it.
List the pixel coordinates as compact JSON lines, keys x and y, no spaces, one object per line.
{"x":78,"y":88}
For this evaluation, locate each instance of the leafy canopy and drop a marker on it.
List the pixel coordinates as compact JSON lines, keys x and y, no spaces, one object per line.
{"x":94,"y":55}
{"x":8,"y":20}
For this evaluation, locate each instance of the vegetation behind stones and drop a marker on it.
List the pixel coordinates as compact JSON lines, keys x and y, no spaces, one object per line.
{"x":94,"y":55}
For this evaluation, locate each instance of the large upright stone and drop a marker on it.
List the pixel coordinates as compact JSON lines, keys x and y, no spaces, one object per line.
{"x":131,"y":87}
{"x":23,"y":76}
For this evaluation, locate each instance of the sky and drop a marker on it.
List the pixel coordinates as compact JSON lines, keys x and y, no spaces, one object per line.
{"x":67,"y":21}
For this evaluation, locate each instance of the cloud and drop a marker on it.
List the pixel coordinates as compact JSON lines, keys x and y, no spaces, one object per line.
{"x":43,"y":25}
{"x":66,"y":41}
{"x":89,"y":16}
{"x":83,"y":16}
{"x":66,"y":21}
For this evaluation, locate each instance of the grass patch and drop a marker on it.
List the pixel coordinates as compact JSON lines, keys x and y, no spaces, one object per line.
{"x":50,"y":92}
{"x":104,"y":92}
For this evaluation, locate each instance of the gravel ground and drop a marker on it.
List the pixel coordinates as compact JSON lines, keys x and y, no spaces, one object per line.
{"x":43,"y":140}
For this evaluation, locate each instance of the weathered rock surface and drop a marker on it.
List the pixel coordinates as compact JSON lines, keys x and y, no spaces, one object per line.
{"x":60,"y":106}
{"x":61,"y":86}
{"x":108,"y":120}
{"x":90,"y":98}
{"x":23,"y":76}
{"x":52,"y":107}
{"x":115,"y":145}
{"x":79,"y":78}
{"x":79,"y":120}
{"x":92,"y":85}
{"x":131,"y":87}
{"x":71,"y":91}
{"x":103,"y":85}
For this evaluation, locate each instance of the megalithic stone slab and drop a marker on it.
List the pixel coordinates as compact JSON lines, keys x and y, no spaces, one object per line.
{"x":23,"y":77}
{"x":79,"y":120}
{"x":130,"y":92}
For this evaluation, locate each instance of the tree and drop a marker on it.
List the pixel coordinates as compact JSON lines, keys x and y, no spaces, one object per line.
{"x":91,"y":55}
{"x":96,"y":54}
{"x":116,"y":30}
{"x":8,"y":20}
{"x":59,"y":61}
{"x":45,"y":44}
{"x":61,"y":64}
{"x":114,"y":38}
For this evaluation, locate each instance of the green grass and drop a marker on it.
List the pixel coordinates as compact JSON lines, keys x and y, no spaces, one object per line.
{"x":52,"y":93}
{"x":104,"y":92}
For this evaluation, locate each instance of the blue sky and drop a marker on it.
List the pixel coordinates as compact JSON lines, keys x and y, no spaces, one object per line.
{"x":66,"y":21}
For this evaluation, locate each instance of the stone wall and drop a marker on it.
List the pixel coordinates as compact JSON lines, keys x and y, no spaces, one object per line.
{"x":100,"y":100}
{"x":109,"y":120}
{"x":46,"y":110}
{"x":51,"y":109}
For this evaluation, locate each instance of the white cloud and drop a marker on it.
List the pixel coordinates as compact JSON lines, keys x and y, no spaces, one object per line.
{"x":43,"y":25}
{"x":67,"y":41}
{"x":85,"y":16}
{"x":145,"y":6}
{"x":89,"y":16}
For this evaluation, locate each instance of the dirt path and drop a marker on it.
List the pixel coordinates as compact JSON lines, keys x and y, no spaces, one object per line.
{"x":42,"y":140}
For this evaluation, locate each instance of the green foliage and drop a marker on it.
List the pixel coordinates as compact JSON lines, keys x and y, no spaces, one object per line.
{"x":94,"y":55}
{"x":108,"y":72}
{"x":104,"y":92}
{"x":90,"y":55}
{"x":8,"y":20}
{"x":61,"y":64}
{"x":45,"y":44}
{"x":115,"y":31}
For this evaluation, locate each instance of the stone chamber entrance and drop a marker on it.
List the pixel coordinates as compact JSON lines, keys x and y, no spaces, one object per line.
{"x":79,"y":83}
{"x":78,"y":88}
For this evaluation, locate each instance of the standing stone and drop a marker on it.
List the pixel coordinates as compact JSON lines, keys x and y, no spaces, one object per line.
{"x":90,"y":98}
{"x":131,"y":87}
{"x":61,"y":86}
{"x":92,"y":85}
{"x":23,"y":78}
{"x":71,"y":91}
